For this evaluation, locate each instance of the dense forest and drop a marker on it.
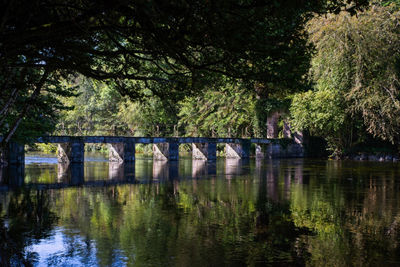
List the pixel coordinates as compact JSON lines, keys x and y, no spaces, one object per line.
{"x":329,"y":69}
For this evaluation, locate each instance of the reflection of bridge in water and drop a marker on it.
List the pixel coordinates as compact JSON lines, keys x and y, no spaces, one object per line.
{"x":269,"y":172}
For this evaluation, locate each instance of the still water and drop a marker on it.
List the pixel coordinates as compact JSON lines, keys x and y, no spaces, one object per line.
{"x":193,"y":213}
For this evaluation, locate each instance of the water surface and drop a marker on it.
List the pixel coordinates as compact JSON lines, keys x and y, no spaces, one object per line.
{"x":193,"y":213}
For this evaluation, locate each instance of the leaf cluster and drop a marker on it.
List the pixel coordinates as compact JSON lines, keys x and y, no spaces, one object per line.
{"x":355,"y":72}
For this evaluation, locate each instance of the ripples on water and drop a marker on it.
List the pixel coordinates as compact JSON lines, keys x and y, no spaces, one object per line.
{"x":229,"y":213}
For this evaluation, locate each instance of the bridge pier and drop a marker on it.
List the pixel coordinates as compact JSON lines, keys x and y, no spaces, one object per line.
{"x":166,"y":151}
{"x":204,"y":151}
{"x":71,"y":152}
{"x":239,"y":150}
{"x":121,"y":152}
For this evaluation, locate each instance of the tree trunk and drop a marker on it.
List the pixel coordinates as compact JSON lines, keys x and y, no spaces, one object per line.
{"x":261,"y":114}
{"x":272,"y":125}
{"x":7,"y":105}
{"x":14,"y":94}
{"x":35,"y":94}
{"x":287,"y":132}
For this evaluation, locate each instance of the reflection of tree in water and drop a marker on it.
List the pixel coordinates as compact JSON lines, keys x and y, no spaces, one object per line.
{"x":354,"y":224}
{"x":28,"y":219}
{"x":215,"y":222}
{"x":174,"y":223}
{"x":275,"y":234}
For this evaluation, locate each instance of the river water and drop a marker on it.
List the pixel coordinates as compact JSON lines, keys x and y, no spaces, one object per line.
{"x":291,"y":212}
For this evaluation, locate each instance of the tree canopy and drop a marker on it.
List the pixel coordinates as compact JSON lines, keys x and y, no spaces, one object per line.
{"x":356,"y":74}
{"x":133,"y":39}
{"x":174,"y":48}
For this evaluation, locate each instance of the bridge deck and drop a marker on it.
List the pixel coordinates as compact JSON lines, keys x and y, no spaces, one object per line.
{"x":145,"y":140}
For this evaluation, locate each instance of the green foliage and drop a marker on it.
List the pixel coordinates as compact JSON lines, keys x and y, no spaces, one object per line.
{"x":172,"y":48}
{"x":227,"y":111}
{"x":151,"y":117}
{"x":47,"y":148}
{"x":389,"y":2}
{"x":94,"y":111}
{"x":322,"y":113}
{"x":144,"y":149}
{"x":355,"y":74}
{"x":37,"y":113}
{"x":263,"y":108}
{"x":99,"y":109}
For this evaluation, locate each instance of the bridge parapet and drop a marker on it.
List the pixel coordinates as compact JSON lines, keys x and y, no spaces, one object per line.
{"x":144,"y":140}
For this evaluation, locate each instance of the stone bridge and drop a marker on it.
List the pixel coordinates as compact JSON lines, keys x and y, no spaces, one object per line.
{"x":122,"y":149}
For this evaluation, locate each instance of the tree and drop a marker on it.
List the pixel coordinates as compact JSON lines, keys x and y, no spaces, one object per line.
{"x":99,"y":109}
{"x":173,"y":48}
{"x":228,"y":111}
{"x":93,"y":111}
{"x":151,"y":117}
{"x":356,"y":72}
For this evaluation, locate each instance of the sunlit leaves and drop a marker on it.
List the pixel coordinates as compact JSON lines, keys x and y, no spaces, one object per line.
{"x":227,"y":111}
{"x":355,"y":72}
